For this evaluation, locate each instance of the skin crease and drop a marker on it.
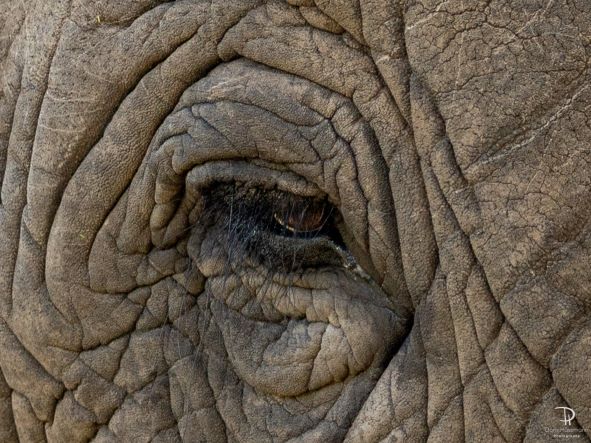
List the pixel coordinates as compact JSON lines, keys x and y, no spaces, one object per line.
{"x":143,"y":296}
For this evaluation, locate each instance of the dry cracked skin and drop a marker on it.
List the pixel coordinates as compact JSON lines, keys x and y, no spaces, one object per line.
{"x":295,"y":221}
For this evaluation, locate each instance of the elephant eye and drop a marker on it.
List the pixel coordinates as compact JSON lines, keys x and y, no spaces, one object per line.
{"x":278,"y":229}
{"x":302,"y":216}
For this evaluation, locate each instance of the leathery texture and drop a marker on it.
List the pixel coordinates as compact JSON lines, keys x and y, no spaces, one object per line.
{"x":154,"y":287}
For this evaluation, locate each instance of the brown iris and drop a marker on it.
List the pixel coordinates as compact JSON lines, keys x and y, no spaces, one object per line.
{"x":301,"y":215}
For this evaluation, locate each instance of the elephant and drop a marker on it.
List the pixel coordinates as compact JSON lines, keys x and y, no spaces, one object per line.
{"x":295,"y":221}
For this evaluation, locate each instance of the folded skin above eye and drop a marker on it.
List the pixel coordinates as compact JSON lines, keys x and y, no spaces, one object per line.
{"x":156,"y":285}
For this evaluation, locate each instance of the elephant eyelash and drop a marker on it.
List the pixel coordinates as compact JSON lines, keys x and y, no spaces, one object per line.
{"x":280,"y":230}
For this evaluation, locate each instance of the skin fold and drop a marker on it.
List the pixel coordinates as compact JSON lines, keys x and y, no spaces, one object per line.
{"x":163,"y":278}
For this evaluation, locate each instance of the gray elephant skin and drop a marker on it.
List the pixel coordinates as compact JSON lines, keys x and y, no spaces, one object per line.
{"x":295,"y":221}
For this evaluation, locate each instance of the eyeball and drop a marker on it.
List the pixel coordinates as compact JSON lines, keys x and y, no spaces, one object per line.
{"x":302,"y":216}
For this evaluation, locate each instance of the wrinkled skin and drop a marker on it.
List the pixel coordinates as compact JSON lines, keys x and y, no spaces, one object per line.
{"x":137,"y":304}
